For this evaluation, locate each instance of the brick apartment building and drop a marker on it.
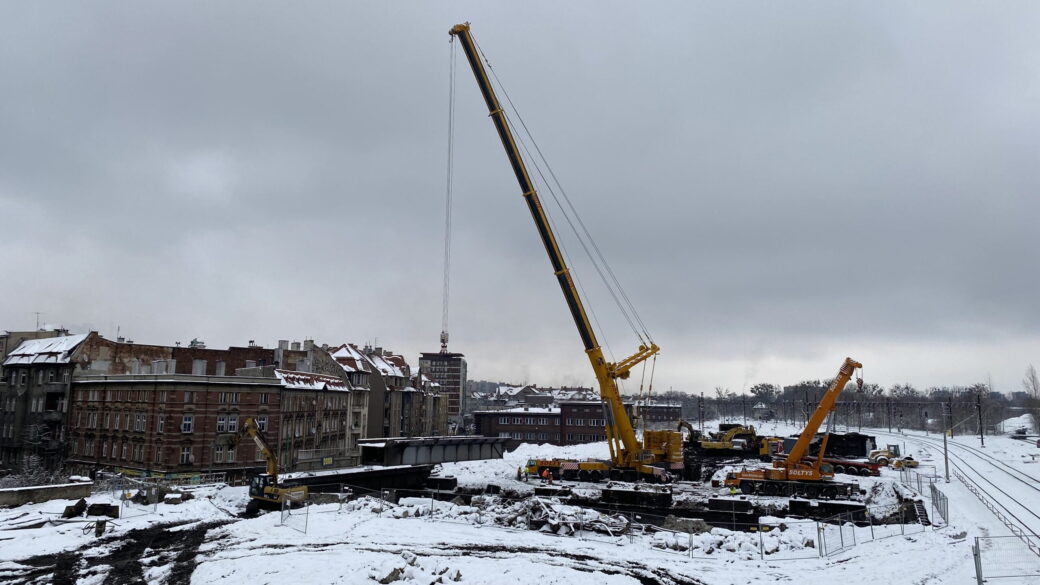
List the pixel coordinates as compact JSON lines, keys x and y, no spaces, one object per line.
{"x":402,"y":403}
{"x":569,"y":423}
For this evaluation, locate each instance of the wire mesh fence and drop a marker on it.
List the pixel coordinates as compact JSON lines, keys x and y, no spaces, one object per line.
{"x":295,"y":513}
{"x":940,"y":504}
{"x":844,"y":531}
{"x":1011,"y":559}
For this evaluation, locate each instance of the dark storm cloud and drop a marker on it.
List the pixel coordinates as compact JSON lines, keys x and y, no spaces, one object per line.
{"x":777,"y":186}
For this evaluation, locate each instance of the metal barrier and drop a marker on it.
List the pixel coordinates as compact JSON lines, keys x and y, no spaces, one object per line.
{"x":1012,"y":559}
{"x":295,"y":513}
{"x":843,"y":531}
{"x":940,"y":504}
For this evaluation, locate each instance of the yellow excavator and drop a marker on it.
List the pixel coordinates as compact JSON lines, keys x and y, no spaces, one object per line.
{"x":793,"y":475}
{"x":264,"y":490}
{"x":659,"y":451}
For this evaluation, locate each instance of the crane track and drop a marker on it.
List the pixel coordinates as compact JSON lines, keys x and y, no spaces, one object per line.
{"x":980,"y":475}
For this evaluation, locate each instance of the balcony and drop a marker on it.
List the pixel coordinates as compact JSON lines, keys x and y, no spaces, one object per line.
{"x":53,"y":416}
{"x":59,"y":387}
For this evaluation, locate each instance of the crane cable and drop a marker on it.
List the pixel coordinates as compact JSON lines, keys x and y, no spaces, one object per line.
{"x":613,"y":285}
{"x":448,"y":193}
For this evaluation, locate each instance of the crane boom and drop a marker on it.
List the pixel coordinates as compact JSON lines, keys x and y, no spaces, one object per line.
{"x":826,"y":405}
{"x":626,"y":450}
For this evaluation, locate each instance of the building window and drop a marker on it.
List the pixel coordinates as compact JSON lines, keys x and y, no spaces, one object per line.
{"x":218,"y":454}
{"x":223,"y":397}
{"x":158,"y":454}
{"x":232,"y":424}
{"x":115,"y":450}
{"x":124,"y":451}
{"x":161,"y":424}
{"x":51,"y":375}
{"x":185,"y":455}
{"x":221,"y":424}
{"x":140,"y":423}
{"x":187,"y":423}
{"x":188,"y":397}
{"x":518,"y":435}
{"x":261,"y":422}
{"x":234,"y":397}
{"x":263,"y":398}
{"x":503,"y":435}
{"x":230,"y":454}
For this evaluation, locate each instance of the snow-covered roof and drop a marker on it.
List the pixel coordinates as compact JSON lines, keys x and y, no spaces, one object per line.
{"x":310,"y":381}
{"x":351,"y":359}
{"x":53,"y":350}
{"x":385,"y":366}
{"x":528,"y":410}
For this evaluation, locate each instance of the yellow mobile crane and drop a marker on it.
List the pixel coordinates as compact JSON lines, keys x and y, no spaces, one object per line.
{"x":264,"y":489}
{"x":793,"y":475}
{"x":629,"y":457}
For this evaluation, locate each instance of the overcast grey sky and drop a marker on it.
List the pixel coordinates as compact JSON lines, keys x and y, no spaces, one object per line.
{"x":778,"y":185}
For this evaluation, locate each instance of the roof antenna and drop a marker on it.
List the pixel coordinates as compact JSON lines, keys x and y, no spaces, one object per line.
{"x":37,"y":313}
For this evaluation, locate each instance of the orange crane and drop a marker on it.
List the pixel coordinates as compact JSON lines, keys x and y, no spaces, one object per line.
{"x":630,"y":458}
{"x":793,"y":475}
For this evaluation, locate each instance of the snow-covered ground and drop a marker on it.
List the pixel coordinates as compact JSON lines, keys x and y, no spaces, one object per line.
{"x":419,"y":541}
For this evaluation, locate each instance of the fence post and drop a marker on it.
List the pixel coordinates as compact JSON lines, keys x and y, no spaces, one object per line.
{"x":689,"y":549}
{"x":761,"y":543}
{"x":820,"y":538}
{"x":977,"y":553}
{"x":854,"y":543}
{"x":870,"y":519}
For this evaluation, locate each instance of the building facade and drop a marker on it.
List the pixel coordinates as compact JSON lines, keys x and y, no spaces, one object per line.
{"x":449,"y":371}
{"x":571,"y":422}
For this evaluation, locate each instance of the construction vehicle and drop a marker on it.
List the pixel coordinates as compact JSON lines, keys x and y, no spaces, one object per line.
{"x":659,"y":451}
{"x":794,"y":475}
{"x":890,"y":456}
{"x":264,"y":490}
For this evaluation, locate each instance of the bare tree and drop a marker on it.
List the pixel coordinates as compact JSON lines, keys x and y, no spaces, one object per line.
{"x":1031,"y":382}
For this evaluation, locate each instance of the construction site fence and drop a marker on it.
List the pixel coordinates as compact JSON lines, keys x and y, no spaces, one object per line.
{"x":1007,"y":559}
{"x":843,"y":532}
{"x":786,"y":539}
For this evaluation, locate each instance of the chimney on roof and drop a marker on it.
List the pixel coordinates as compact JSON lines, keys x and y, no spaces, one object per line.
{"x":296,"y":346}
{"x":283,"y":344}
{"x":120,"y":339}
{"x":252,"y":343}
{"x":308,"y":344}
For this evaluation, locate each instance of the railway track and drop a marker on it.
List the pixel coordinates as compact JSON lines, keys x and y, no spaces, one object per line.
{"x":1006,"y":504}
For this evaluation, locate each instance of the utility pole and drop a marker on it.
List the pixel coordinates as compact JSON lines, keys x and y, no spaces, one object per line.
{"x":700,"y":412}
{"x":951,"y":416}
{"x":946,"y":452}
{"x":978,"y":407}
{"x":888,"y":413}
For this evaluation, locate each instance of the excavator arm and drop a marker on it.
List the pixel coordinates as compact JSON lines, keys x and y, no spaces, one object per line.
{"x":250,"y":428}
